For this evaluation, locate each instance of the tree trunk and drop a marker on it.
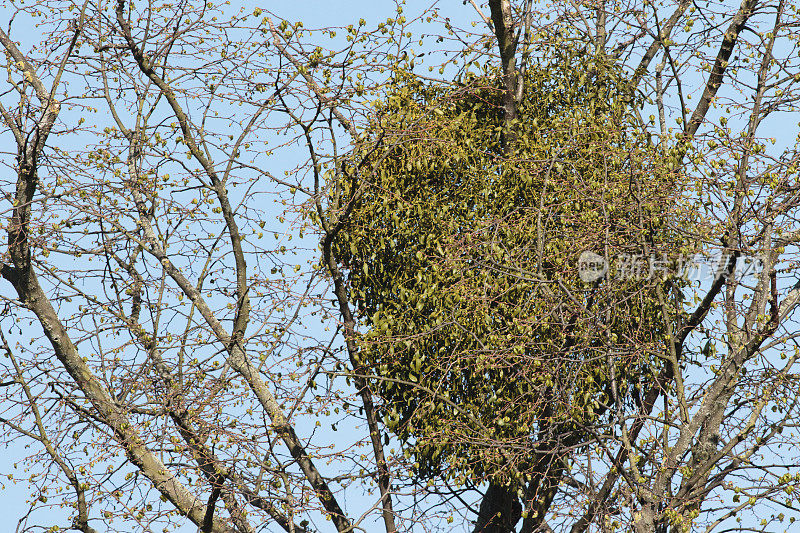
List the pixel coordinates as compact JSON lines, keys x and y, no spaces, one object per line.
{"x":500,"y":510}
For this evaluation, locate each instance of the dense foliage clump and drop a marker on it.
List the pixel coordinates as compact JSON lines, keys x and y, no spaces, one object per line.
{"x":462,"y":247}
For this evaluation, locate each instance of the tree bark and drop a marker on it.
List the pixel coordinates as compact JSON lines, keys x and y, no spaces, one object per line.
{"x":500,"y":510}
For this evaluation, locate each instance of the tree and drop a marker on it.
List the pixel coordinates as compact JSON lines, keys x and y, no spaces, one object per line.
{"x":410,"y":258}
{"x":163,"y":358}
{"x":460,"y":254}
